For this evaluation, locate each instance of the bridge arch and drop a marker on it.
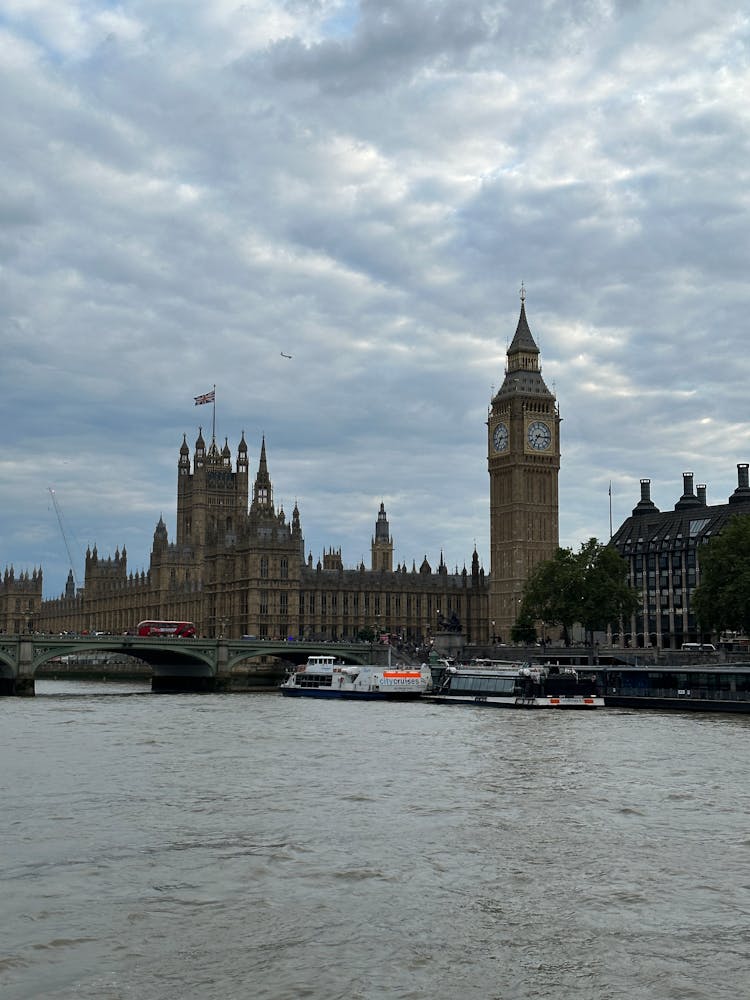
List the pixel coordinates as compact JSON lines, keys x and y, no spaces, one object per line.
{"x":176,"y":664}
{"x":295,"y":652}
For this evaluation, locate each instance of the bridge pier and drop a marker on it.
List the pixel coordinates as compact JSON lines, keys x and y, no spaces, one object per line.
{"x":24,"y":685}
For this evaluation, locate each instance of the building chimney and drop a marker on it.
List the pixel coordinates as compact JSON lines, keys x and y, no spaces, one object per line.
{"x":700,"y":489}
{"x":688,"y":498}
{"x":645,"y":504}
{"x":742,"y":493}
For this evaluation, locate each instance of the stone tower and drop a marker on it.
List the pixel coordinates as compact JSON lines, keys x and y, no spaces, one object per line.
{"x":382,"y":543}
{"x":524,"y":462}
{"x":212,"y":499}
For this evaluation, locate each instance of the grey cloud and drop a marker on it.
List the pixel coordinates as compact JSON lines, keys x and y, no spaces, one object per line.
{"x":367,"y":196}
{"x":392,"y":41}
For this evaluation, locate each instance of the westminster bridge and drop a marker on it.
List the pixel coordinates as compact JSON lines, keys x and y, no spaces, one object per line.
{"x":176,"y":664}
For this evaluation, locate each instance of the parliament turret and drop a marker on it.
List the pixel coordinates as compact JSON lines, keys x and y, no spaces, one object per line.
{"x":382,"y":543}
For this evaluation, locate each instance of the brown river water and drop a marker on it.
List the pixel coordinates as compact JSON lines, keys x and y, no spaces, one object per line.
{"x":232,"y":846}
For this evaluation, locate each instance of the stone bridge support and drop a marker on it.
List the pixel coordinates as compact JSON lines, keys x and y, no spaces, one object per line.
{"x":25,"y":675}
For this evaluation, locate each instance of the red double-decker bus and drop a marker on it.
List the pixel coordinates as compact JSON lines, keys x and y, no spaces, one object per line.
{"x":179,"y":630}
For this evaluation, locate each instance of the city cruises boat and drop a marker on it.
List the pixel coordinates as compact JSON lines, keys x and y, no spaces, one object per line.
{"x":516,"y":685}
{"x":707,"y":688}
{"x":326,"y":677}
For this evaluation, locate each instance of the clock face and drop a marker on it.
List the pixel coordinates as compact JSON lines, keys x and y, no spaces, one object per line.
{"x":539,"y":435}
{"x":500,"y":437}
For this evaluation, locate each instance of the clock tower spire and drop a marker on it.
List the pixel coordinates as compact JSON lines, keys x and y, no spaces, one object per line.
{"x":524,"y":462}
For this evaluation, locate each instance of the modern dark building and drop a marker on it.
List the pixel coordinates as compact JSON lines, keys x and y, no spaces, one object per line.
{"x":662,"y":550}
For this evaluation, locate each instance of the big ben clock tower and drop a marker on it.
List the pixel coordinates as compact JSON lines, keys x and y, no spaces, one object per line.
{"x":524,"y":461}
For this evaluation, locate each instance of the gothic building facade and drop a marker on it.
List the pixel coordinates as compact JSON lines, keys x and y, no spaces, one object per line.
{"x":20,"y":601}
{"x":237,"y":565}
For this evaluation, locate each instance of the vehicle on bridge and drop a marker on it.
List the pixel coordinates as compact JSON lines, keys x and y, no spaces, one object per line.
{"x":175,"y":630}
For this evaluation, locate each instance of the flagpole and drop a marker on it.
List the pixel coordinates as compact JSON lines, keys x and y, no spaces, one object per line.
{"x":213,"y":435}
{"x":610,"y":509}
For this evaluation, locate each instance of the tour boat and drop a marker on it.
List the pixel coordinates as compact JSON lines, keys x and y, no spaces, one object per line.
{"x":516,"y":685}
{"x":326,"y":677}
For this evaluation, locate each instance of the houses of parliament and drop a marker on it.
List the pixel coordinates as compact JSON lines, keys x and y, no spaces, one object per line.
{"x":237,"y":564}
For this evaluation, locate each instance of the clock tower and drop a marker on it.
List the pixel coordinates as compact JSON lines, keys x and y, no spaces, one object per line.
{"x":524,"y":461}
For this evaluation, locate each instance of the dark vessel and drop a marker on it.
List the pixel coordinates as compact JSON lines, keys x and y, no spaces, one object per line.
{"x":698,"y":688}
{"x":514,"y":685}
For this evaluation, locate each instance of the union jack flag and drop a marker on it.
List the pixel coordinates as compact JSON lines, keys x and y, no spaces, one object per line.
{"x":206,"y":397}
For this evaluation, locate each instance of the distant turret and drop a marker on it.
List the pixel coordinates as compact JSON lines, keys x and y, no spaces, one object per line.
{"x":382,"y":544}
{"x":262,"y":488}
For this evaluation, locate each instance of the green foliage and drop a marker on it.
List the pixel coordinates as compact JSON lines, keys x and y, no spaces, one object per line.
{"x":587,"y":587}
{"x":367,"y":634}
{"x":551,"y":593}
{"x":524,"y":629}
{"x":721,"y":602}
{"x":605,"y":594}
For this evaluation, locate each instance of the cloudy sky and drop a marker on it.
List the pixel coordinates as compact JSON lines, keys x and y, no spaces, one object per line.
{"x":187,"y":190}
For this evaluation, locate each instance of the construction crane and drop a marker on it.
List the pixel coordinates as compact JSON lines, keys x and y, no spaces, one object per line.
{"x":65,"y":537}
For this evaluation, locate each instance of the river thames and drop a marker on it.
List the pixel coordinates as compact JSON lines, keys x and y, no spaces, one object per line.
{"x":251,"y":846}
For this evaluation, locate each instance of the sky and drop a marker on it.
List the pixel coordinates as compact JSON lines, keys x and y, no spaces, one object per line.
{"x":191,"y":191}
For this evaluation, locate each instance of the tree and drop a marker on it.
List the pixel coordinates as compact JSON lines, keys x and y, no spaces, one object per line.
{"x":721,"y":601}
{"x":523,"y":629}
{"x":605,"y":594}
{"x":551,"y":593}
{"x":589,"y":587}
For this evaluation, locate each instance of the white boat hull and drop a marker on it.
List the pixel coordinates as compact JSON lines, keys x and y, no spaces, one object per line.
{"x":500,"y":701}
{"x":323,"y":677}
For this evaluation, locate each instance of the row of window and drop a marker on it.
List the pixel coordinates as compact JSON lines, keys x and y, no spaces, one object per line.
{"x":314,"y":680}
{"x":415,"y":605}
{"x":677,"y":680}
{"x":666,"y":560}
{"x":486,"y":685}
{"x":283,"y":603}
{"x":283,"y":568}
{"x":666,"y":543}
{"x":29,"y":605}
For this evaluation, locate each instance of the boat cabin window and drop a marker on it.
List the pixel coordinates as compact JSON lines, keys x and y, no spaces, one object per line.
{"x":320,"y":661}
{"x":308,"y":680}
{"x":473,"y":684}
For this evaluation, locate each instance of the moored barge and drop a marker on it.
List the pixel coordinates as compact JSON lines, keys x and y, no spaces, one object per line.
{"x":702,"y":688}
{"x":515,"y":685}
